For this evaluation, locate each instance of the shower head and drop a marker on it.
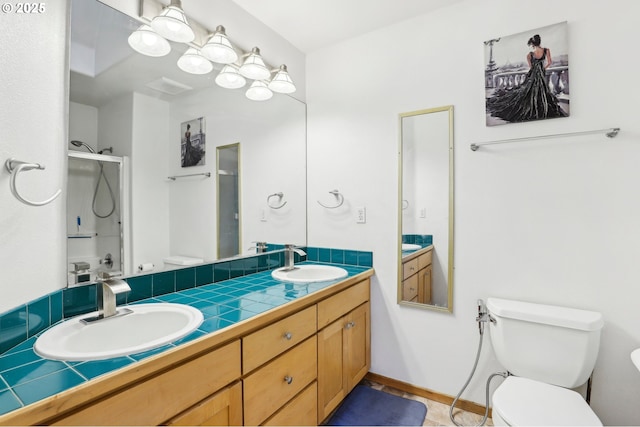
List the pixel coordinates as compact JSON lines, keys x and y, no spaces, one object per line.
{"x":83,"y":144}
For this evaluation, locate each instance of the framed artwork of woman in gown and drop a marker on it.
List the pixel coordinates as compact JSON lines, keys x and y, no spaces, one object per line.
{"x":192,"y":143}
{"x":527,"y":76}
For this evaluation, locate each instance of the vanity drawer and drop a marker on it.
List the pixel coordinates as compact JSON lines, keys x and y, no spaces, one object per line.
{"x":155,"y":400}
{"x":410,"y":288}
{"x":425,"y":260}
{"x":265,"y":344}
{"x":409,"y":268}
{"x":273,"y":385}
{"x":301,"y":411}
{"x":341,"y":303}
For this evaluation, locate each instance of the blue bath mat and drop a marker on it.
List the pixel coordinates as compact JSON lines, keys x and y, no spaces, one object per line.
{"x":365,"y":406}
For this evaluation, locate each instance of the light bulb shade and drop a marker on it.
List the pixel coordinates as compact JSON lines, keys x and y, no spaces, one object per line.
{"x":172,"y":24}
{"x":218,"y":48}
{"x":147,"y":42}
{"x":282,"y":82}
{"x":192,"y":62}
{"x":253,"y":66}
{"x":229,"y":78}
{"x":259,"y":91}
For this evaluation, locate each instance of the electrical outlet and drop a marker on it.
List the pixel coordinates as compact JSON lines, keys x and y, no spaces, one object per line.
{"x":361,"y":215}
{"x":263,"y":215}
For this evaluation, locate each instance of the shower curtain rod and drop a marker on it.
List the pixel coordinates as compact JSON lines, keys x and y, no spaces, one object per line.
{"x":609,"y":132}
{"x":173,"y":178}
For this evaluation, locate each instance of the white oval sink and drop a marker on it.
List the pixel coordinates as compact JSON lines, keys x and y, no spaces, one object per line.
{"x":410,"y":247}
{"x":148,"y":326}
{"x":309,"y":274}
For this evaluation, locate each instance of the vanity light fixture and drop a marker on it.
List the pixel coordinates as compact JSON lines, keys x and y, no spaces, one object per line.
{"x":193,"y":62}
{"x":253,"y":66}
{"x":259,"y":91}
{"x":218,"y":48}
{"x":282,"y":82}
{"x":230,"y":78}
{"x":172,"y":24}
{"x":147,"y":42}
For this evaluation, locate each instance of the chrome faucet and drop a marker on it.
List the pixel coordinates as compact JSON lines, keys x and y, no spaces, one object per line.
{"x":260,"y":247}
{"x":110,"y":287}
{"x":289,"y":256}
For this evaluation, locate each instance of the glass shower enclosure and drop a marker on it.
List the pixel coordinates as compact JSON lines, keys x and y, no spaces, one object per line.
{"x":95,"y":233}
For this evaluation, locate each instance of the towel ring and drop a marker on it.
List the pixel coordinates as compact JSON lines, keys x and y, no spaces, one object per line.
{"x":279,"y":195}
{"x":339,"y":197}
{"x":15,"y":167}
{"x":405,"y":204}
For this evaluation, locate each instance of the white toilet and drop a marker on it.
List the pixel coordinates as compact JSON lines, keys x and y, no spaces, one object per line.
{"x":548,"y":350}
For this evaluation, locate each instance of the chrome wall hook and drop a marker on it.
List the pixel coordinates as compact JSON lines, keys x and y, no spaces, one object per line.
{"x":15,"y":167}
{"x":339,"y":199}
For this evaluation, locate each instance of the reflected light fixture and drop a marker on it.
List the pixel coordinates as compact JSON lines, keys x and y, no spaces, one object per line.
{"x":147,"y":42}
{"x":253,"y":66}
{"x":229,"y":78}
{"x":218,"y":48}
{"x":282,"y":82}
{"x":259,"y":91}
{"x":192,"y":62}
{"x":172,"y":24}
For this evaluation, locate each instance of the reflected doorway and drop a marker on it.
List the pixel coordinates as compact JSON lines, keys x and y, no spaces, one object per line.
{"x":228,"y":190}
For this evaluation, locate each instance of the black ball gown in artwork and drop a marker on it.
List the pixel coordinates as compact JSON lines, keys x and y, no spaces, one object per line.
{"x":532,"y":100}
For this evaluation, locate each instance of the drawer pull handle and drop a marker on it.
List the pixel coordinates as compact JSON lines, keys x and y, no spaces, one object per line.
{"x":287,"y":335}
{"x":350,"y":325}
{"x":288,"y":379}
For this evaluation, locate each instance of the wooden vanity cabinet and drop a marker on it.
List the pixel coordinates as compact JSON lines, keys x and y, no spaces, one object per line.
{"x":289,"y":366}
{"x":416,"y":276}
{"x":344,"y":345}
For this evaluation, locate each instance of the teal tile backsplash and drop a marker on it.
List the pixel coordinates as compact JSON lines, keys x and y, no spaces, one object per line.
{"x":26,"y":378}
{"x":26,"y":321}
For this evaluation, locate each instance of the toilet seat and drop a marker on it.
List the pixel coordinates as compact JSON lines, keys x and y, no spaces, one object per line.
{"x":523,"y":401}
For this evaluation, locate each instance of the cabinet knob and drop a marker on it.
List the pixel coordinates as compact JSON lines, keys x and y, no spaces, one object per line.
{"x":350,"y":325}
{"x":288,"y":379}
{"x":287,"y":335}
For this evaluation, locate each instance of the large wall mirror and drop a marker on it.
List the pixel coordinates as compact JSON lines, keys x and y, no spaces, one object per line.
{"x":425,"y":270}
{"x":124,"y":105}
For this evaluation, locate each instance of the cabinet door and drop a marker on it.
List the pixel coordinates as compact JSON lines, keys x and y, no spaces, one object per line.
{"x":357,"y":345}
{"x":424,"y":285}
{"x":331,"y":376}
{"x":222,"y":409}
{"x":344,"y":358}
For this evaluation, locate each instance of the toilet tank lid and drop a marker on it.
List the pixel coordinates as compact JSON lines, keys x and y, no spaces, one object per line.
{"x":565,"y":317}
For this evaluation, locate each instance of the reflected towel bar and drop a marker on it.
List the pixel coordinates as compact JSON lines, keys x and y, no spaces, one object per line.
{"x":173,"y":178}
{"x":609,"y":132}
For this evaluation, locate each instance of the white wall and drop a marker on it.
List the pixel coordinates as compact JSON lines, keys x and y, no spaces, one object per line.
{"x":32,"y":128}
{"x":551,"y":221}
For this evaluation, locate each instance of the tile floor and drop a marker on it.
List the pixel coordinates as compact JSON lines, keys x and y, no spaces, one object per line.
{"x":437,"y":413}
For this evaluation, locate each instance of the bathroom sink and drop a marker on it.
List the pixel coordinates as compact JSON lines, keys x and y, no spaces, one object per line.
{"x":309,"y":274}
{"x":410,"y":247}
{"x":145,"y":327}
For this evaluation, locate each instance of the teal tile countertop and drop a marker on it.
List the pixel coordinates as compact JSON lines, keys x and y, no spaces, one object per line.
{"x":26,"y":378}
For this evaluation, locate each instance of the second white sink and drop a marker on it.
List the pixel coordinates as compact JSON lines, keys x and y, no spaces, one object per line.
{"x":148,"y":326}
{"x":310,"y":273}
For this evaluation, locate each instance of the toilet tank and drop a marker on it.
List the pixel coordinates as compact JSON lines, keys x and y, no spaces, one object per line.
{"x":552,"y":344}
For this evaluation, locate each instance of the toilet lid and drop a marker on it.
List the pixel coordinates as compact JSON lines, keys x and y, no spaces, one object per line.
{"x":522,"y":401}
